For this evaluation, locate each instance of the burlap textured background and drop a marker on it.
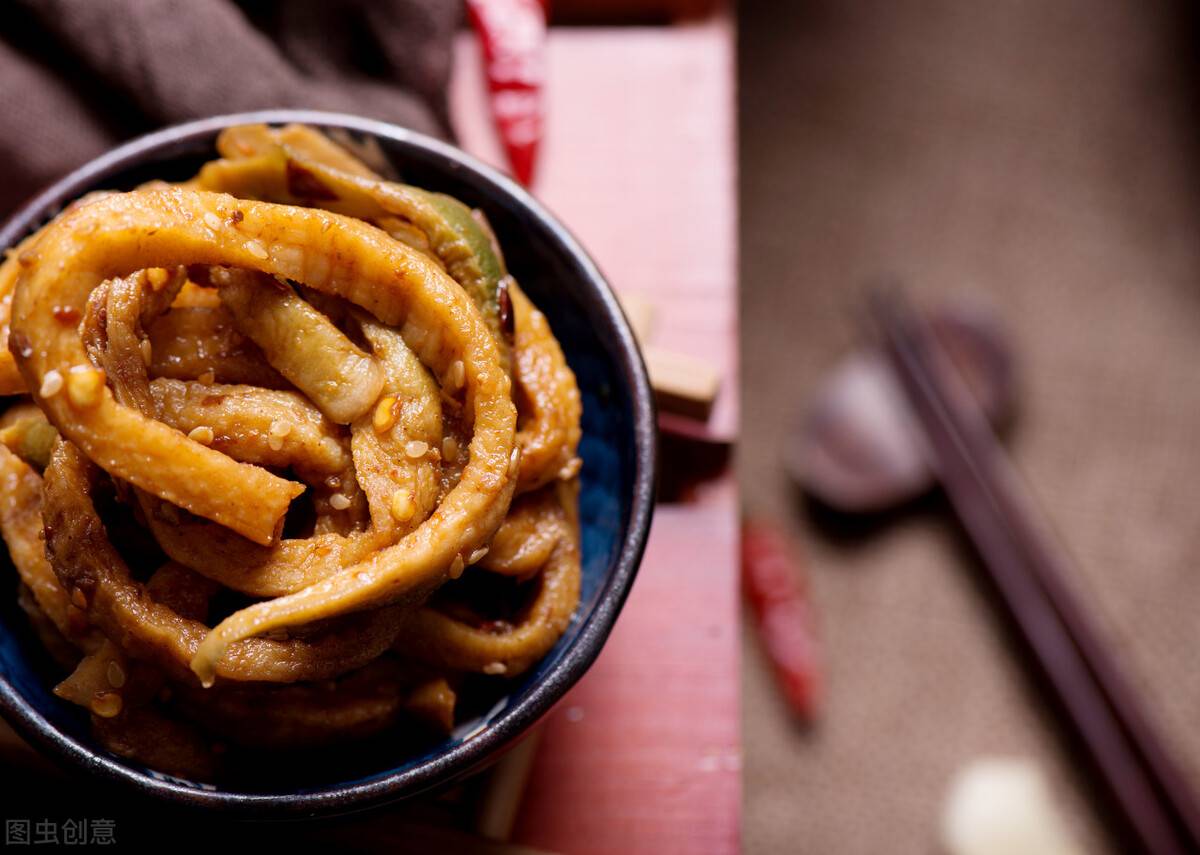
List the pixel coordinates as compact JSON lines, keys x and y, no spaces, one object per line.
{"x":1043,"y":156}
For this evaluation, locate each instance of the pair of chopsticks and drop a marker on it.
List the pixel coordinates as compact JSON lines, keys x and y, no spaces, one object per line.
{"x":1028,"y":569}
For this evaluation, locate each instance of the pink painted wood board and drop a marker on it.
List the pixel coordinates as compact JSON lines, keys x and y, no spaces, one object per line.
{"x":639,"y":160}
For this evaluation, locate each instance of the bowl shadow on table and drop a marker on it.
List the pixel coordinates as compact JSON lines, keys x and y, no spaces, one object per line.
{"x":848,"y":532}
{"x":686,"y":463}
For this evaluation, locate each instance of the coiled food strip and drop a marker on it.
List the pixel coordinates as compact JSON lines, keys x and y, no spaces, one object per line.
{"x":299,"y":394}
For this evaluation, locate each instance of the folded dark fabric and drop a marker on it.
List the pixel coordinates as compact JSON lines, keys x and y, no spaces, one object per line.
{"x":77,"y":76}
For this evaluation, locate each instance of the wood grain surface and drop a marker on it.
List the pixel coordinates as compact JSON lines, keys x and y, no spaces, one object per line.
{"x":639,"y":161}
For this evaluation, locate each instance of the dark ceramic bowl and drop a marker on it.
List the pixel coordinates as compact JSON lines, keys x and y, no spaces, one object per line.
{"x":618,"y":451}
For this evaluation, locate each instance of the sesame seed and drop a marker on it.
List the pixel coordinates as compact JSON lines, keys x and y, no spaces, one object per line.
{"x":256,"y":249}
{"x":52,"y":383}
{"x":385,"y":414}
{"x":457,"y":374}
{"x":495,"y":668}
{"x":478,"y":555}
{"x":339,"y":502}
{"x":147,"y":352}
{"x":456,"y":567}
{"x":116,"y":676}
{"x":402,"y":507}
{"x":202,"y":434}
{"x":157,"y":277}
{"x":276,"y":432}
{"x":416,"y":448}
{"x":450,"y":449}
{"x":514,"y":462}
{"x":85,"y":386}
{"x":208,"y":377}
{"x":212,"y":220}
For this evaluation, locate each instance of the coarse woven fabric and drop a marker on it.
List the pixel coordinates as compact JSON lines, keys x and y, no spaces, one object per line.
{"x":1042,"y":157}
{"x":77,"y":76}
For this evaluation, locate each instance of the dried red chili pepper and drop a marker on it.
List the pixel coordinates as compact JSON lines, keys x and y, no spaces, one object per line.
{"x":512,"y":34}
{"x":774,"y":585}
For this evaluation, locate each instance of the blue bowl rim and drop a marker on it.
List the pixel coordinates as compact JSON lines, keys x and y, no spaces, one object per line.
{"x":472,"y":753}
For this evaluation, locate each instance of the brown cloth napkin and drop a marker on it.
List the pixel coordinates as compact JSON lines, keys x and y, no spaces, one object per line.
{"x":1044,"y":158}
{"x":77,"y":76}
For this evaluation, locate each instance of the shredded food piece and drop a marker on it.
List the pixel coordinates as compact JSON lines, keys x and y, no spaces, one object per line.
{"x":295,"y":387}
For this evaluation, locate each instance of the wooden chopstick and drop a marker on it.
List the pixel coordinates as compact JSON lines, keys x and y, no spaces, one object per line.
{"x":1052,"y":568}
{"x":1028,"y":573}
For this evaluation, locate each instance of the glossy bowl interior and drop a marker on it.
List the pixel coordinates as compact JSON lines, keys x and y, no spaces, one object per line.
{"x":615,"y":503}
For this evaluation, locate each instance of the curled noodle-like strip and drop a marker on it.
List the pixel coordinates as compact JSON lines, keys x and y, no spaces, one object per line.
{"x":149,"y":629}
{"x":297,"y":166}
{"x":441,"y":639}
{"x":167,"y":228}
{"x":548,"y":399}
{"x":263,"y":491}
{"x":21,"y":528}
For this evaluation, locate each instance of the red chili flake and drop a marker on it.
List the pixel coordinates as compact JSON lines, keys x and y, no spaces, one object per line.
{"x":66,"y":314}
{"x":237,"y":216}
{"x":211,"y":400}
{"x":774,"y":585}
{"x":19,"y":343}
